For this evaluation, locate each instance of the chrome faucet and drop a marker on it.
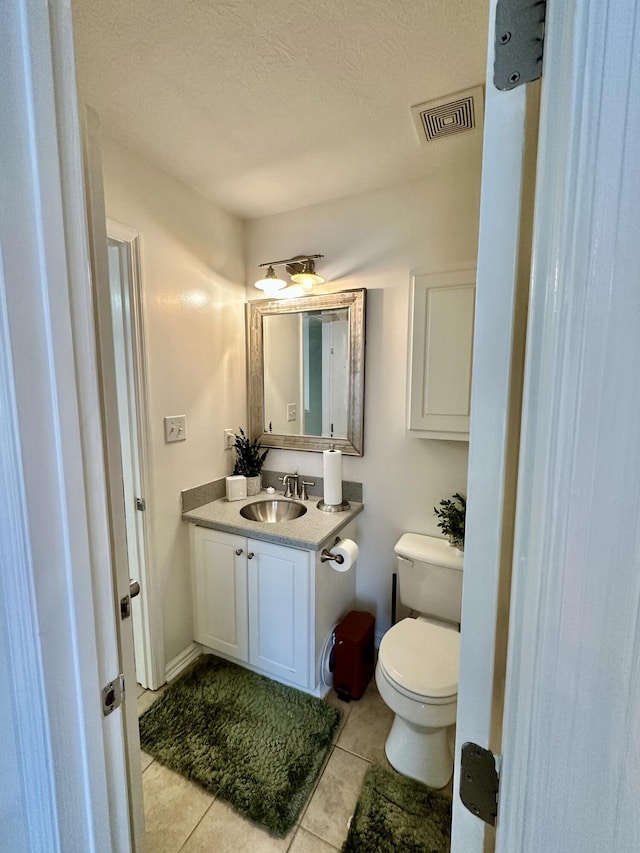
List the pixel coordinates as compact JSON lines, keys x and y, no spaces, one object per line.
{"x":293,"y":488}
{"x":286,"y":482}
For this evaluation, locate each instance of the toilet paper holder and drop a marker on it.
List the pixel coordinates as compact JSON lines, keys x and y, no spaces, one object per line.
{"x":326,"y":555}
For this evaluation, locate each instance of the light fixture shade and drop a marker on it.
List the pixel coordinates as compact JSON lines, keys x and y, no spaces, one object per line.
{"x":270,"y":283}
{"x":307,"y":276}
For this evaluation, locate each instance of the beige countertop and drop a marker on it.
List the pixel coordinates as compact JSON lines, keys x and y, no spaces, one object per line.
{"x":312,"y":531}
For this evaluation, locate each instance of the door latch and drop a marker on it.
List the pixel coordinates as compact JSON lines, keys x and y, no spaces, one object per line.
{"x":479,"y":782}
{"x":125,"y":602}
{"x":113,"y":695}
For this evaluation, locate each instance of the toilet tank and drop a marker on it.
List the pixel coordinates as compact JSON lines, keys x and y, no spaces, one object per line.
{"x":430,"y":576}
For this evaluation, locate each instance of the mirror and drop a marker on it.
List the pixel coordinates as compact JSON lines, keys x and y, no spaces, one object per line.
{"x":306,"y":371}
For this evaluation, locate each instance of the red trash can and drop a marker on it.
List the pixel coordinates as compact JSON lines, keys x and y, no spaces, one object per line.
{"x":354,"y":653}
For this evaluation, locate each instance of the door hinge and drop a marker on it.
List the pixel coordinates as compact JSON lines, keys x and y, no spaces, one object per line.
{"x":519,"y":41}
{"x":479,"y":781}
{"x":141,"y":504}
{"x":113,"y":695}
{"x":125,"y":607}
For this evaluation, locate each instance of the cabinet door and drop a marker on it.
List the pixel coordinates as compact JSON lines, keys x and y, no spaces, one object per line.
{"x":220,"y":592}
{"x":279,"y":611}
{"x":442,"y":314}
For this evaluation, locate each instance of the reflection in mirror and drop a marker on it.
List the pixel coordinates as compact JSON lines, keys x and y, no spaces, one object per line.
{"x":306,"y":371}
{"x":306,"y":377}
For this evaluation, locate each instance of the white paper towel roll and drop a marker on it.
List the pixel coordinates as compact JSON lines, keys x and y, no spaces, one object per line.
{"x":332,"y":461}
{"x":348,"y":550}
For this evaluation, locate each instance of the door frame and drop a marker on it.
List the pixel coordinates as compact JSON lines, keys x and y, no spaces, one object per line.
{"x":146,"y":608}
{"x":493,"y":436}
{"x":69,"y":751}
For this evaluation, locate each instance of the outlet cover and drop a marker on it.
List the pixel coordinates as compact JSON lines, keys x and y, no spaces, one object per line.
{"x":291,"y":412}
{"x":229,"y":439}
{"x":175,"y":428}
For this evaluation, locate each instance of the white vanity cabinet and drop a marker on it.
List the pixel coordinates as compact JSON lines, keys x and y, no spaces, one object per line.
{"x":440,"y":352}
{"x":268,"y":606}
{"x":279,"y":610}
{"x":251,"y":603}
{"x":219,"y":578}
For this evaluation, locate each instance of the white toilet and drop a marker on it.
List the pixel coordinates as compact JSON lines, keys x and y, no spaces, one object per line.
{"x":417,"y":669}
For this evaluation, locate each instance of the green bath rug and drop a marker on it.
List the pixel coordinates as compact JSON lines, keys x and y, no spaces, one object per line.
{"x":251,"y":741}
{"x":399,"y":815}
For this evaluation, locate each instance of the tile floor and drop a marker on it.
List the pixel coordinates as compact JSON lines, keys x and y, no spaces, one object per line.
{"x":180,"y":816}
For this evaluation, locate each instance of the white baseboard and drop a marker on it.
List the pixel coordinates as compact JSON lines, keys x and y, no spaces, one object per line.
{"x":183,"y":660}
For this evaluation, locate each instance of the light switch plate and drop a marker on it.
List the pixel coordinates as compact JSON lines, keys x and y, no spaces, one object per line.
{"x":291,"y":412}
{"x":175,"y":428}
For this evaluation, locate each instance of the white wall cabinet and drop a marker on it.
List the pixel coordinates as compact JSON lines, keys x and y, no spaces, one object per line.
{"x":440,"y":354}
{"x":267,"y":606}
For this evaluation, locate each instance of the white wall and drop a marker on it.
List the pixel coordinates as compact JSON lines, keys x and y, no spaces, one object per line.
{"x":193,"y":285}
{"x":374,"y":241}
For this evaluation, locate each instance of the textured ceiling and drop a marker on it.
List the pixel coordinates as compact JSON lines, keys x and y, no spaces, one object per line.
{"x":272,"y":105}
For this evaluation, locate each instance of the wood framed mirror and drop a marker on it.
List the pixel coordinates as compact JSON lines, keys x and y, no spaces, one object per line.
{"x":306,"y":371}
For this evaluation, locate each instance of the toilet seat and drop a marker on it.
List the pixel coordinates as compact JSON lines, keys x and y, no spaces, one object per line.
{"x":421,"y":660}
{"x":419,"y":698}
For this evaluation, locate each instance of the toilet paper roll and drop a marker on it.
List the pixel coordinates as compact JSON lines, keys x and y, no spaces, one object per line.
{"x":332,"y":464}
{"x":348,"y":550}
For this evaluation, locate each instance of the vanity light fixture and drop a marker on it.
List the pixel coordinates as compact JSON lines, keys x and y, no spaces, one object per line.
{"x":301,"y":268}
{"x":307,"y":276}
{"x":270,"y":283}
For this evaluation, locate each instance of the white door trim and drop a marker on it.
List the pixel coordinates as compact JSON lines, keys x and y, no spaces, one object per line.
{"x":61,"y":528}
{"x":150,"y":667}
{"x":490,"y":432}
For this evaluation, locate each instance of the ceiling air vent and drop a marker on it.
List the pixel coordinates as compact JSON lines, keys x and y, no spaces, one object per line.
{"x":453,"y":114}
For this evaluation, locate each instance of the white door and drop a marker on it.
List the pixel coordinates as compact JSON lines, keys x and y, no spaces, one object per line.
{"x":130,"y":379}
{"x":113,"y":460}
{"x":569,"y":739}
{"x":335,"y":376}
{"x":134,"y":496}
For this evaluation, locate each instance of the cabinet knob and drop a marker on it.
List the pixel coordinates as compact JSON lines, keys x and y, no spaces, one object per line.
{"x":238,"y":552}
{"x":250,"y":555}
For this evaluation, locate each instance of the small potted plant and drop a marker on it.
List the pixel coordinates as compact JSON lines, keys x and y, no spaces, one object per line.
{"x":249,"y":461}
{"x":451,"y":514}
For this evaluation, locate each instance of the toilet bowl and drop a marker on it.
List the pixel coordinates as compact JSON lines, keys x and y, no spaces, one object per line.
{"x":417,"y":677}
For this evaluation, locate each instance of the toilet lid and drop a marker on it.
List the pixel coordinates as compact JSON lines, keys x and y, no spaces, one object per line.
{"x":422,"y":657}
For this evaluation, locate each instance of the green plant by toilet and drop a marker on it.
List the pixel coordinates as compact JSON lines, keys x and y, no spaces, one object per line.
{"x":249,"y":459}
{"x":451,"y":515}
